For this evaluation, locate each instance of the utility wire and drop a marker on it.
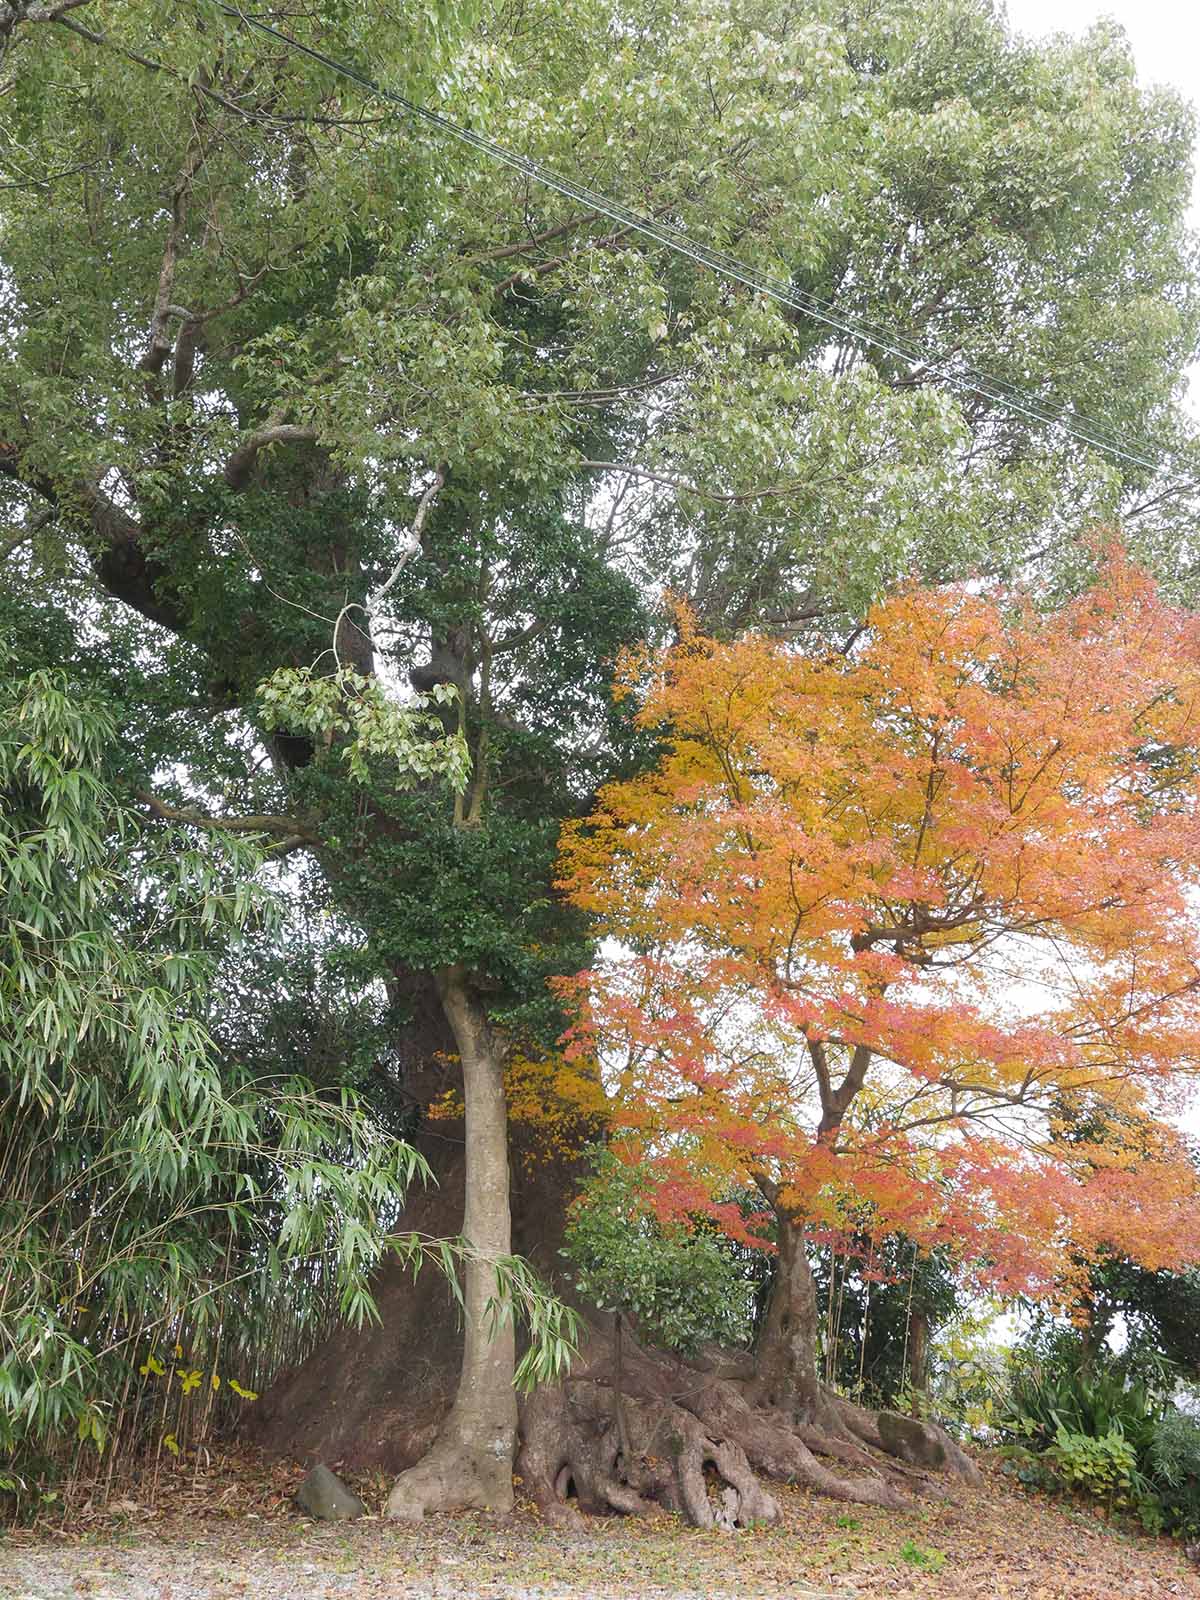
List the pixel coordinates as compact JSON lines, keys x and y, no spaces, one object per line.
{"x":970,"y":380}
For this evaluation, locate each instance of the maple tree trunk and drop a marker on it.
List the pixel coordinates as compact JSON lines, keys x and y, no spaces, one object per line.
{"x":786,"y":1358}
{"x":470,"y":1462}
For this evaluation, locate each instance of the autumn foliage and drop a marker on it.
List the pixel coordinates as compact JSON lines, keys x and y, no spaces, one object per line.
{"x":889,"y":921}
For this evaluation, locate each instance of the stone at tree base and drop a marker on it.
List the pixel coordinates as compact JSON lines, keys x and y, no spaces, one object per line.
{"x":324,"y":1495}
{"x":924,"y":1444}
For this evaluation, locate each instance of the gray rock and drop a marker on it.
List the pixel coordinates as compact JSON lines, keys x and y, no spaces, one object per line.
{"x":324,"y":1495}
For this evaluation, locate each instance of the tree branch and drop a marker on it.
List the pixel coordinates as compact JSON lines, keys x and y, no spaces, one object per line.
{"x":109,"y":44}
{"x":820,"y":1061}
{"x":122,"y":565}
{"x":293,"y":833}
{"x":12,"y":466}
{"x":160,"y":345}
{"x":767,"y":1187}
{"x":542,"y":268}
{"x":412,"y":544}
{"x":533,"y":242}
{"x":241,"y":463}
{"x":841,"y":1097}
{"x":774,"y":491}
{"x":11,"y":14}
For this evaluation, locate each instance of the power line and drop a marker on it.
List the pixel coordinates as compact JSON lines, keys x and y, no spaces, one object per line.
{"x":1009,"y":397}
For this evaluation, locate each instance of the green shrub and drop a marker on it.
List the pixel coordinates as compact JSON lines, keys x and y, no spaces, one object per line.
{"x":1103,"y":1468}
{"x":1173,"y":1463}
{"x":681,"y":1286}
{"x":1050,"y":1388}
{"x":1111,"y":1431}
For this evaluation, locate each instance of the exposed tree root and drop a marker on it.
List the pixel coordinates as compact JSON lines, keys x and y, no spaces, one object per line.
{"x":850,"y":1454}
{"x":696,"y":1445}
{"x":453,"y":1477}
{"x":571,"y":1451}
{"x":906,"y":1438}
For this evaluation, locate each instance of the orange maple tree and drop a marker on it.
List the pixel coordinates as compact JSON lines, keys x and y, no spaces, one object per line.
{"x":881,"y":920}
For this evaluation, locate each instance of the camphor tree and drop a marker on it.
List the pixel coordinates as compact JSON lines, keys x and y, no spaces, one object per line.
{"x":263,"y":335}
{"x":883,"y":911}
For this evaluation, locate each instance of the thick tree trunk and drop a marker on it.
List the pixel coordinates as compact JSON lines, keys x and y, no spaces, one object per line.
{"x":786,"y":1357}
{"x":373,"y":1398}
{"x":470,"y":1462}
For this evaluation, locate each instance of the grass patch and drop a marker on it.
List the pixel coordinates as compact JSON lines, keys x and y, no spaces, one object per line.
{"x":923,"y":1556}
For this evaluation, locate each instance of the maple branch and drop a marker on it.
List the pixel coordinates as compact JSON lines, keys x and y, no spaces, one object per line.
{"x":241,"y":462}
{"x":293,"y":833}
{"x":820,"y":1061}
{"x":841,"y":1097}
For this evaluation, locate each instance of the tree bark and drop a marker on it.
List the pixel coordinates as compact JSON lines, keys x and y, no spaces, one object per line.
{"x":470,"y":1463}
{"x":374,"y":1398}
{"x":918,"y":1355}
{"x":786,"y":1358}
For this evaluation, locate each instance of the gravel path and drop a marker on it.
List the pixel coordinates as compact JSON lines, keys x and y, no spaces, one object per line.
{"x":367,"y":1561}
{"x":202,"y":1573}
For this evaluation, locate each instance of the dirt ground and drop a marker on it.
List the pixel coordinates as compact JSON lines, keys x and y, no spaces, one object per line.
{"x":234,"y":1532}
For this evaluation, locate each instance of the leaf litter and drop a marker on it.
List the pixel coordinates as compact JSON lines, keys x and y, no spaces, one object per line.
{"x":233,"y":1531}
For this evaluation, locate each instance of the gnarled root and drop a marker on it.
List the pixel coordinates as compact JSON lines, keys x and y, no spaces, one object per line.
{"x":696,"y":1446}
{"x":571,"y":1449}
{"x":923,"y":1444}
